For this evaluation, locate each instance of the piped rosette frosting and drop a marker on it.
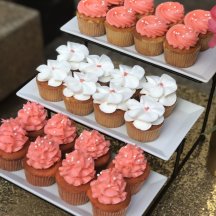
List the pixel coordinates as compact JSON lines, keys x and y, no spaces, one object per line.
{"x":93,"y":8}
{"x":170,"y":12}
{"x":144,"y":113}
{"x":143,"y":7}
{"x":54,"y":72}
{"x":121,"y":17}
{"x":60,"y":129}
{"x":80,"y":86}
{"x":128,"y":77}
{"x":198,"y":20}
{"x":32,"y":116}
{"x":110,"y":187}
{"x":43,"y":153}
{"x":130,"y":161}
{"x":112,"y":98}
{"x":181,"y":37}
{"x":151,"y":26}
{"x":115,"y":2}
{"x":92,"y":143}
{"x":161,"y":89}
{"x":100,"y":66}
{"x":77,"y":169}
{"x":12,"y":136}
{"x":74,"y":53}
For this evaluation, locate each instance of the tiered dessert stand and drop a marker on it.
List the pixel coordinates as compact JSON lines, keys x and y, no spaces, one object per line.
{"x":172,"y":136}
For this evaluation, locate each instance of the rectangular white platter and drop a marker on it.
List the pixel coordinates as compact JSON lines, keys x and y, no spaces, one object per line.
{"x":138,"y":205}
{"x":203,"y":70}
{"x":173,"y":131}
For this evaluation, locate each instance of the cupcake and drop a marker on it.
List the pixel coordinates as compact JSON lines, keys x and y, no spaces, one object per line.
{"x":114,"y":3}
{"x":150,"y":35}
{"x":91,"y":16}
{"x":129,"y":77}
{"x":50,"y":79}
{"x":120,"y":23}
{"x":181,"y":47}
{"x":141,"y":7}
{"x":74,"y":176}
{"x":110,"y":105}
{"x":62,"y":131}
{"x":170,"y":12}
{"x":32,"y":117}
{"x":78,"y":93}
{"x":132,"y":164}
{"x":144,"y":119}
{"x":198,"y":21}
{"x":163,"y":90}
{"x":42,"y":162}
{"x":73,"y":53}
{"x":109,"y":195}
{"x":100,"y":66}
{"x":13,"y":145}
{"x":94,"y":145}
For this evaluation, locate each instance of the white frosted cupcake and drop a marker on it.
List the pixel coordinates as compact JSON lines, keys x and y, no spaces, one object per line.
{"x":129,"y":77}
{"x":110,"y":105}
{"x":144,"y":119}
{"x":74,"y":53}
{"x":162,"y":89}
{"x":50,"y":79}
{"x":78,"y":93}
{"x":101,"y":66}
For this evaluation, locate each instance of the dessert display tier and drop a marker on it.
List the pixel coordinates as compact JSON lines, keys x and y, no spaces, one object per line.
{"x":173,"y":131}
{"x":139,"y":202}
{"x":203,"y":70}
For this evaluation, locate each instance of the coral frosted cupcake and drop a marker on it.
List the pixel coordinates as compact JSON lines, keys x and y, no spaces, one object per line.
{"x":91,"y":16}
{"x":132,"y":164}
{"x":170,"y":12}
{"x":100,"y":66}
{"x":13,"y":145}
{"x":144,"y":119}
{"x":150,"y":35}
{"x":115,"y":3}
{"x":74,"y":176}
{"x":198,"y":21}
{"x":141,"y":7}
{"x":181,"y":47}
{"x":42,"y":162}
{"x":120,"y":23}
{"x":94,"y":145}
{"x":162,"y":89}
{"x":73,"y":53}
{"x":78,"y":93}
{"x":62,"y":131}
{"x":32,"y":117}
{"x":110,"y":105}
{"x":109,"y":195}
{"x":50,"y":79}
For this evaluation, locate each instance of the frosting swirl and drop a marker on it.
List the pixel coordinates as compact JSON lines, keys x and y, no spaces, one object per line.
{"x":181,"y":37}
{"x":43,"y":153}
{"x":198,"y":20}
{"x":130,"y":161}
{"x":121,"y":17}
{"x":115,"y":2}
{"x":170,"y":12}
{"x":145,"y":113}
{"x":162,"y":89}
{"x":12,"y":136}
{"x":32,"y":116}
{"x":60,"y":129}
{"x":109,"y":188}
{"x":151,"y":26}
{"x":92,"y":143}
{"x":140,"y":6}
{"x":93,"y":8}
{"x":77,"y":169}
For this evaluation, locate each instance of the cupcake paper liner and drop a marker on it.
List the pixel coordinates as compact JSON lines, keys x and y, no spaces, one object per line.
{"x":99,"y":212}
{"x":34,"y":134}
{"x":11,"y":165}
{"x":169,"y":110}
{"x":204,"y":40}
